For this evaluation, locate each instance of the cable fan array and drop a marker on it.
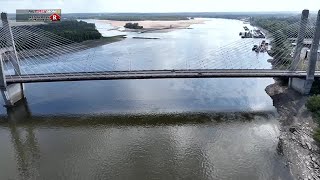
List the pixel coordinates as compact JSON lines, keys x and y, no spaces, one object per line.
{"x":43,"y":53}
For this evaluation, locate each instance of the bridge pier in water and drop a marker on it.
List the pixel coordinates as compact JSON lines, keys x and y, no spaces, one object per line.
{"x":304,"y":85}
{"x":14,"y":92}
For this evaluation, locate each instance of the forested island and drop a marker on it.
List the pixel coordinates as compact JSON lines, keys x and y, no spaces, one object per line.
{"x":133,"y":26}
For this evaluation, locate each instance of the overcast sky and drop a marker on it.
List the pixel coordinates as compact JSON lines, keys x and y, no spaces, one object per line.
{"x":72,"y":6}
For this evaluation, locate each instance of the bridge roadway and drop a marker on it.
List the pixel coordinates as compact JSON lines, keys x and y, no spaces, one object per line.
{"x":156,"y":74}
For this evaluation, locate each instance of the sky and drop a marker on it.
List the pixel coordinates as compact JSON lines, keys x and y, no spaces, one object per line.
{"x":99,"y":6}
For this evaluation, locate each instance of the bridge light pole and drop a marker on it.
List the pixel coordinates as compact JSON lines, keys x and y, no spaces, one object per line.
{"x":14,"y":92}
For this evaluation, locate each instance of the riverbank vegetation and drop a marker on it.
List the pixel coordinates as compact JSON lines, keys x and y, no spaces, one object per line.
{"x":77,"y":31}
{"x":280,"y":29}
{"x":316,"y":135}
{"x":313,"y":105}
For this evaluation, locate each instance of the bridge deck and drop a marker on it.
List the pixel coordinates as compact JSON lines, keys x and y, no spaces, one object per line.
{"x":155,"y":74}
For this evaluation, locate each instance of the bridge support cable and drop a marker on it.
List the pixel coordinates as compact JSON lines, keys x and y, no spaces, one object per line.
{"x":282,"y":57}
{"x":51,"y":46}
{"x":44,"y":53}
{"x":25,"y":57}
{"x":49,"y":39}
{"x":204,"y":63}
{"x":232,"y":61}
{"x":7,"y":55}
{"x":230,"y":58}
{"x":57,"y":53}
{"x":50,"y":56}
{"x":42,"y":57}
{"x":36,"y":59}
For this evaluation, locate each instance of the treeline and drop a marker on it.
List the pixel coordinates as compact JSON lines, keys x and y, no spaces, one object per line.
{"x":31,"y":37}
{"x":77,"y":31}
{"x":169,"y":16}
{"x":288,"y":26}
{"x":144,"y":18}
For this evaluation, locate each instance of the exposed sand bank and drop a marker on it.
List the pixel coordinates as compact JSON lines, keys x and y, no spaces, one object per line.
{"x":157,"y":25}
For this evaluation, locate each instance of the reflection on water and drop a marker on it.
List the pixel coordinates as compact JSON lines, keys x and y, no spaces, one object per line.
{"x":24,"y":142}
{"x":159,"y":146}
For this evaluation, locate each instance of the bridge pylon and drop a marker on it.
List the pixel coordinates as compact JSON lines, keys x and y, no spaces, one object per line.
{"x":14,"y":92}
{"x":304,"y":85}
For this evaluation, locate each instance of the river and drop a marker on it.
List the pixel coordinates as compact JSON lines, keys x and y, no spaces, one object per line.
{"x":149,"y":129}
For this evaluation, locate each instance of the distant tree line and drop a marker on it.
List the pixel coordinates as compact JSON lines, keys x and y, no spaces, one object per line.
{"x":133,"y":26}
{"x":143,"y":18}
{"x":27,"y":37}
{"x":169,"y":16}
{"x":77,"y":31}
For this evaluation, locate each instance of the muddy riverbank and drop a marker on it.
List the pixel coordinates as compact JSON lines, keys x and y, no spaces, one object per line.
{"x":296,"y":143}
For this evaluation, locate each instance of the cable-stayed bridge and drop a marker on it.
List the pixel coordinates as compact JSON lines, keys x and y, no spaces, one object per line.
{"x":29,"y":54}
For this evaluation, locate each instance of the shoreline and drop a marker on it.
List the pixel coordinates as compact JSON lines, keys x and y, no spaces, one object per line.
{"x":296,"y":141}
{"x":103,"y":41}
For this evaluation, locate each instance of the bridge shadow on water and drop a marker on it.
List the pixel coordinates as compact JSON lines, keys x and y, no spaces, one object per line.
{"x":21,"y":115}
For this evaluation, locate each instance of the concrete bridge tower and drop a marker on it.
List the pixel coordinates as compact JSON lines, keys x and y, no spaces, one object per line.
{"x":304,"y":85}
{"x":14,"y":92}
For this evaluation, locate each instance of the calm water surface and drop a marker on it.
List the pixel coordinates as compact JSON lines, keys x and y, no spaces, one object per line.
{"x":148,"y":129}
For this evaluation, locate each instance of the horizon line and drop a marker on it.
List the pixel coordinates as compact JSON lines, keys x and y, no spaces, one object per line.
{"x":176,"y":12}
